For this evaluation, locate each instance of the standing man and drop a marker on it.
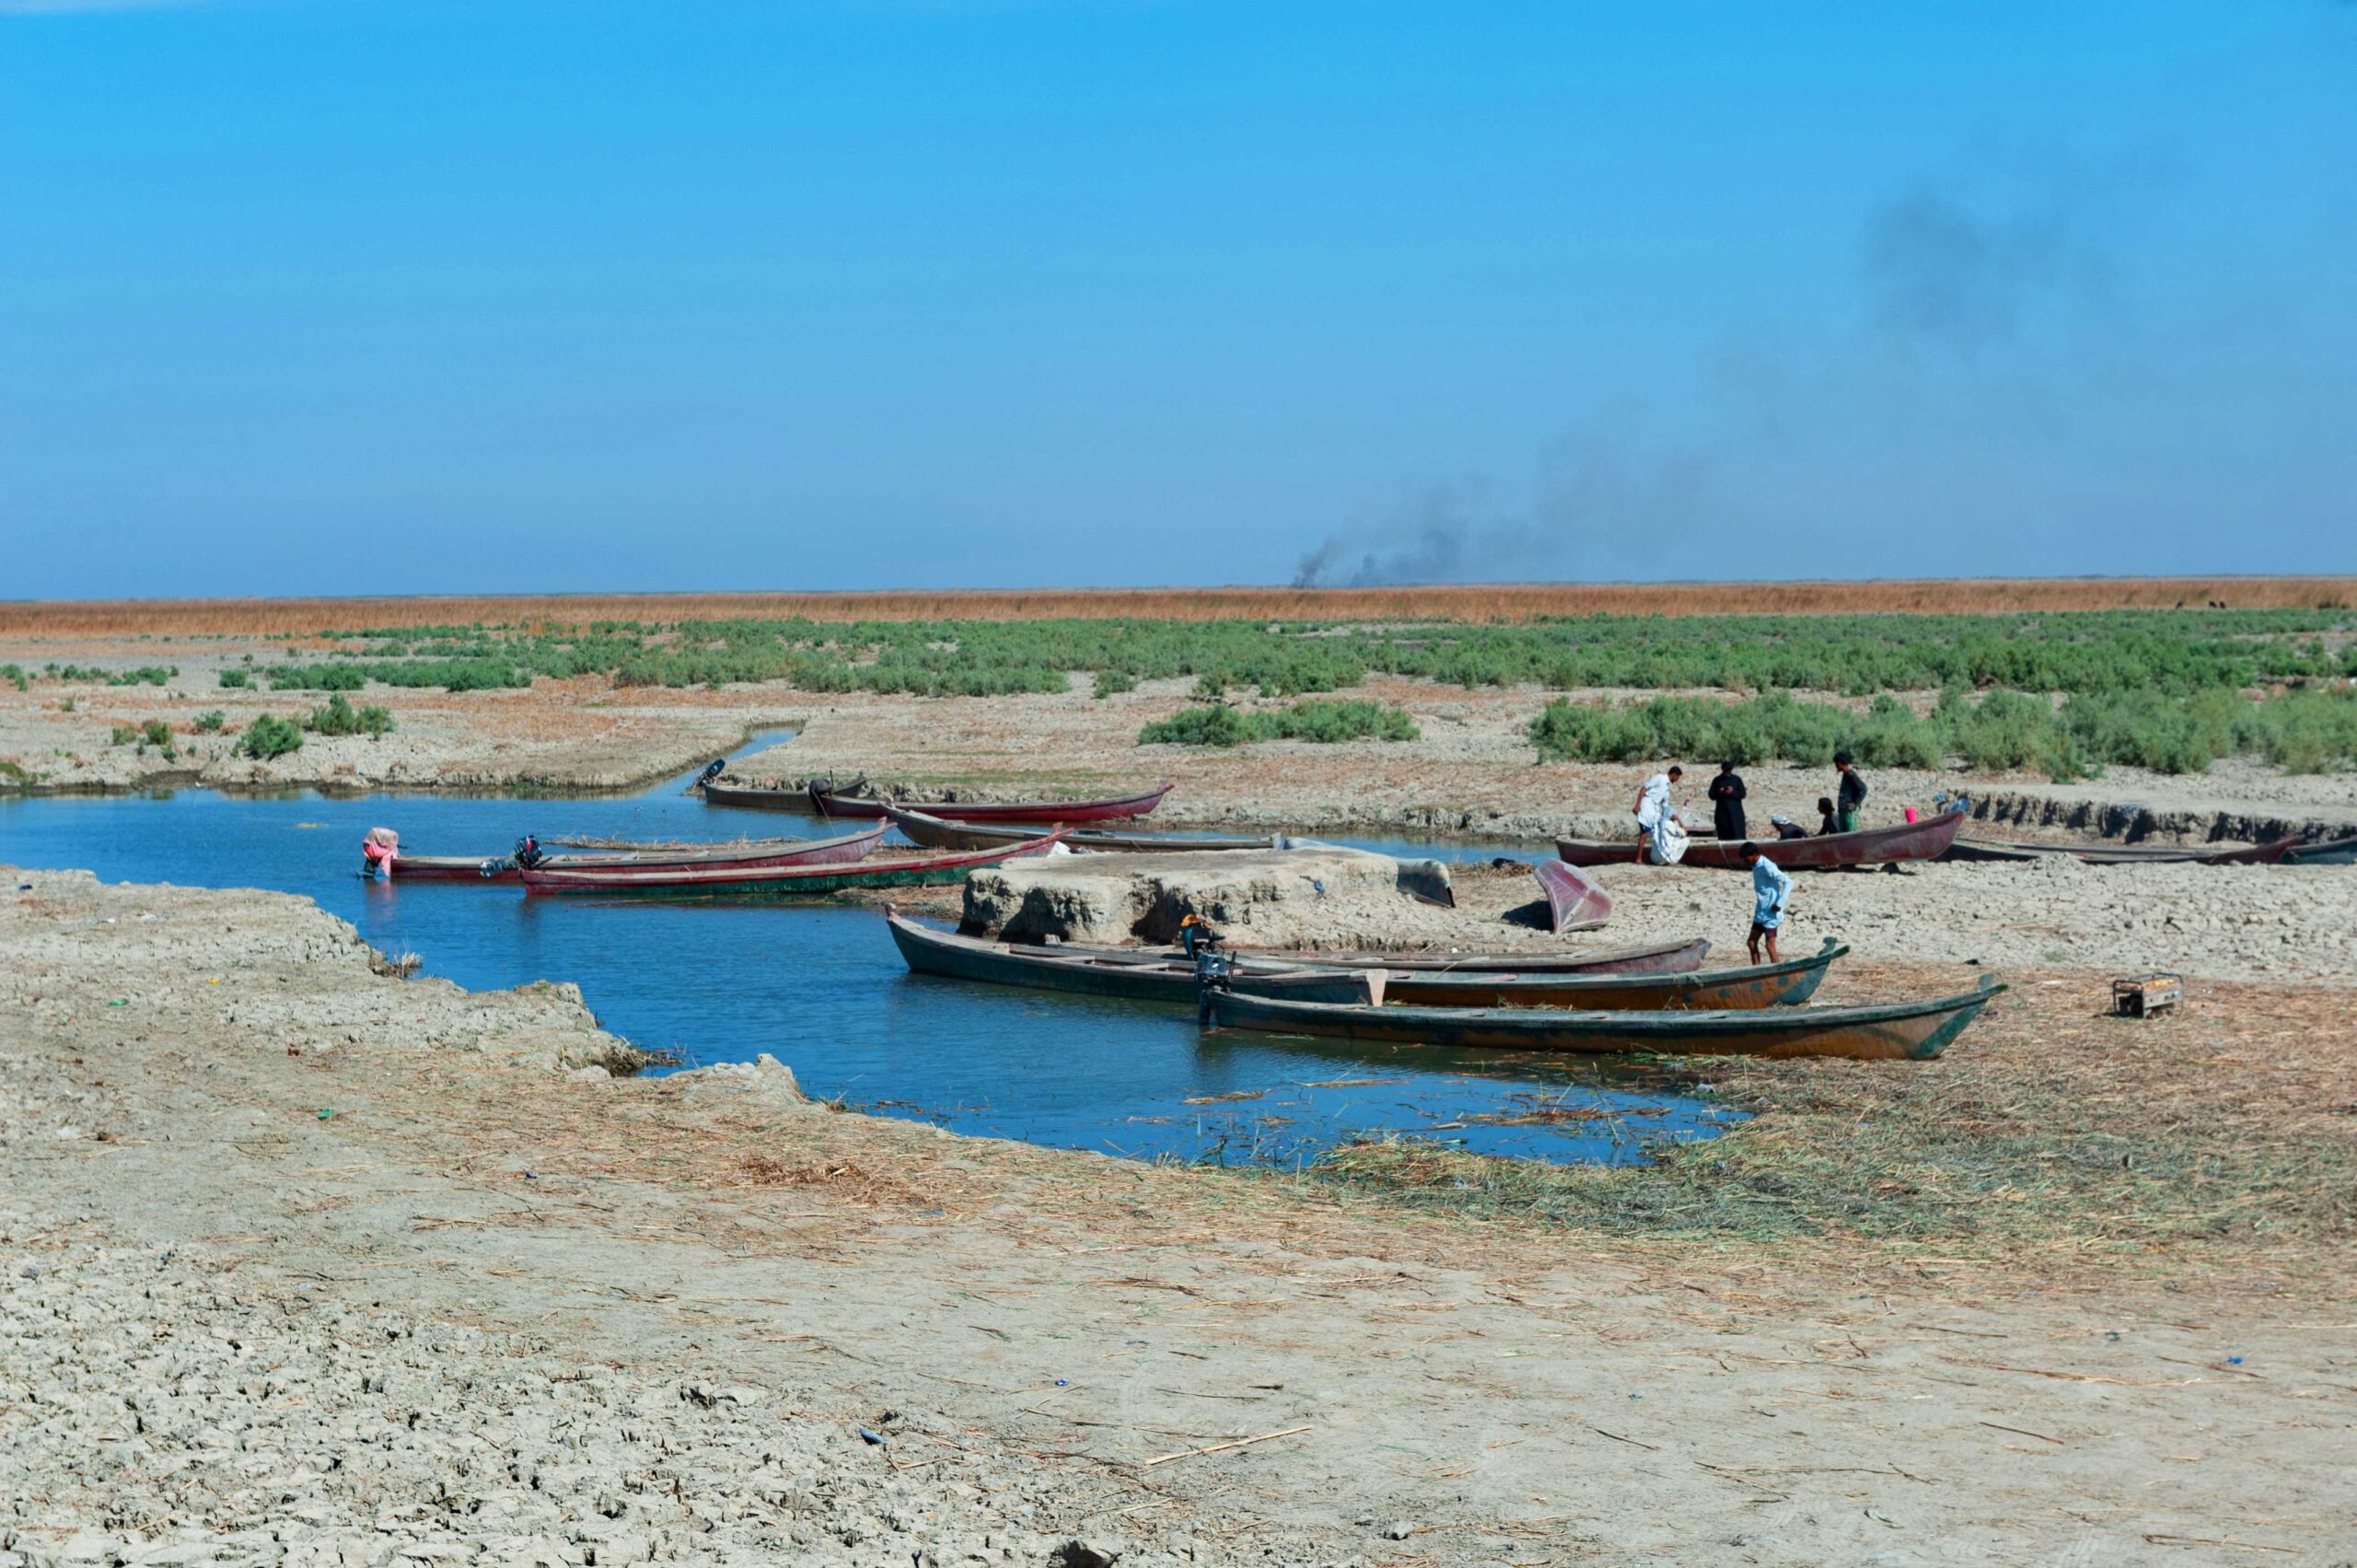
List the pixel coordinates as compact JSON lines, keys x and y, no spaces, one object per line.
{"x":1770,"y":885}
{"x":1852,"y":796}
{"x":1726,"y":804}
{"x":1653,"y":800}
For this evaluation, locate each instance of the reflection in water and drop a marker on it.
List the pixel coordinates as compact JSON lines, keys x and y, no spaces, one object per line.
{"x":820,"y":986}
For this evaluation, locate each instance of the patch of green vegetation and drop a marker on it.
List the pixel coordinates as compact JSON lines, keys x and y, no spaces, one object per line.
{"x":124,"y":734}
{"x":145,"y":674}
{"x":14,"y":676}
{"x":1109,"y":681}
{"x":156,"y":732}
{"x":338,"y":716}
{"x":14,"y":772}
{"x":210,"y":721}
{"x":1317,"y":720}
{"x":236,"y":680}
{"x":269,"y":736}
{"x":2174,"y":733}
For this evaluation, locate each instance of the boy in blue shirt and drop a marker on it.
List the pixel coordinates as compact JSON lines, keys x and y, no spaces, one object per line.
{"x":1770,"y":885}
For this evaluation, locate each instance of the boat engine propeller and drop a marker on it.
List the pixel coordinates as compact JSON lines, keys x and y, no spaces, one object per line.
{"x":528,"y":852}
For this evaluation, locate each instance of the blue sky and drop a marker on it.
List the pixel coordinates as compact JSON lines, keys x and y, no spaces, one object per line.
{"x":336,"y":296}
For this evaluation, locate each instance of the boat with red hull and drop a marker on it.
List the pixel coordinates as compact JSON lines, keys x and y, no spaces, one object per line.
{"x":773,"y":881}
{"x":1926,"y":839}
{"x":750,"y":853}
{"x":827,"y":803}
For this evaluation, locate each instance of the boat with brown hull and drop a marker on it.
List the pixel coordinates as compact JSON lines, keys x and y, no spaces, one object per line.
{"x":1112,"y":809}
{"x":750,"y":799}
{"x":1926,"y":839}
{"x":1135,"y":976}
{"x":748,"y":853}
{"x":2274,"y":851}
{"x":737,"y":882}
{"x":1901,"y":1032}
{"x":1786,"y":985}
{"x":938,"y":832}
{"x":1675,"y":956}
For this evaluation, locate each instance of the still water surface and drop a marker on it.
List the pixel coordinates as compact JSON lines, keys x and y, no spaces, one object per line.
{"x":821,"y":987}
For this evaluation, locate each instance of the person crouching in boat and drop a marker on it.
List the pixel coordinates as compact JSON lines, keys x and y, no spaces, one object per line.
{"x":1827,"y":822}
{"x":1786,"y":827}
{"x":1771,"y":886}
{"x":1652,"y":807}
{"x":378,"y":850}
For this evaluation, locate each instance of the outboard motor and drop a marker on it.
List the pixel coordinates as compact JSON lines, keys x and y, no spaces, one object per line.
{"x":528,"y":851}
{"x":712,"y":769}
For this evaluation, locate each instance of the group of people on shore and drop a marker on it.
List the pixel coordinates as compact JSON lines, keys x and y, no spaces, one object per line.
{"x":1770,"y":883}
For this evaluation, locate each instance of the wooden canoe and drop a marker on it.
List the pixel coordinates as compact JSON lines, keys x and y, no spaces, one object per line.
{"x":2268,"y":854}
{"x":775,"y":881}
{"x":1926,"y":839}
{"x":2329,"y":851}
{"x":1787,"y":984}
{"x":1574,"y":901}
{"x":1901,"y":1032}
{"x":748,"y":853}
{"x":1137,"y":977}
{"x":753,"y":799}
{"x":829,"y":804}
{"x":1659,"y":957}
{"x":936,"y":833}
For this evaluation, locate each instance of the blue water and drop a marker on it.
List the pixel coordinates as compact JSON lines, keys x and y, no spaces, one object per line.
{"x":820,"y":986}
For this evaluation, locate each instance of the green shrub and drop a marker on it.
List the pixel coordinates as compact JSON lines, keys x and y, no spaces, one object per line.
{"x":145,"y":674}
{"x":269,"y":736}
{"x":237,"y":679}
{"x":210,"y":721}
{"x":156,"y":732}
{"x":14,"y":675}
{"x":377,"y":722}
{"x":1313,"y":721}
{"x":124,"y":734}
{"x":1209,"y":725}
{"x":1111,"y":680}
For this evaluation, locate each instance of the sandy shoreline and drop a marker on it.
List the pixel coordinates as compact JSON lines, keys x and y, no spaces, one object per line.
{"x":494,"y":1306}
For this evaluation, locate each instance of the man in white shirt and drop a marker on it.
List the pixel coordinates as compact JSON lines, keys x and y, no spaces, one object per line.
{"x":1653,"y":806}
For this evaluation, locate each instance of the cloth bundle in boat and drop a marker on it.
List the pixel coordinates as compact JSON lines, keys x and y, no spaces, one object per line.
{"x":1667,"y":841}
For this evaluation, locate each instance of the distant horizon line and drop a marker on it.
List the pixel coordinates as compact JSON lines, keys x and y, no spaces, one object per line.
{"x":312,"y":613}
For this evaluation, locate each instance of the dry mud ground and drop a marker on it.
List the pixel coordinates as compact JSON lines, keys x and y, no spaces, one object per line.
{"x":1472,"y":772}
{"x":303,"y":1263}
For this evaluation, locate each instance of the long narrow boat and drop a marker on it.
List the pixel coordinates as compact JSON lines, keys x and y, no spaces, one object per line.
{"x":1786,"y":985}
{"x":755,"y":800}
{"x":829,"y":804}
{"x":1163,"y":977}
{"x":937,"y":832}
{"x":1927,"y":840}
{"x":775,"y":881}
{"x":2267,"y":853}
{"x":1900,"y":1031}
{"x":2328,"y":852}
{"x":747,"y":855}
{"x":1660,"y":958}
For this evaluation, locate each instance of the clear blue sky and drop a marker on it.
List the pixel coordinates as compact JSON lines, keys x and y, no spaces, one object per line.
{"x":341,"y":296}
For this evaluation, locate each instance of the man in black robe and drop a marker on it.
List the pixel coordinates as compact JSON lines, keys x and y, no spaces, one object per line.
{"x":1727,"y":804}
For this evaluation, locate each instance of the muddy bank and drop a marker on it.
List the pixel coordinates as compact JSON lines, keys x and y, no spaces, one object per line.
{"x":490,"y":1309}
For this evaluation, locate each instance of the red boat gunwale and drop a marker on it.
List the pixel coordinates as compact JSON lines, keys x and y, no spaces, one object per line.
{"x":829,"y":804}
{"x":1927,"y":840}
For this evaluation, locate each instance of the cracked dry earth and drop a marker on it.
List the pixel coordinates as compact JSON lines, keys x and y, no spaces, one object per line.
{"x":300,"y":1263}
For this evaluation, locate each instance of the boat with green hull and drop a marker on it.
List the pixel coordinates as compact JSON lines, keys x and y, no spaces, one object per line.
{"x":1902,"y":1031}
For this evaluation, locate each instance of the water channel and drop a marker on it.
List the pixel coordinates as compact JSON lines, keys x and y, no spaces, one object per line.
{"x":820,"y":987}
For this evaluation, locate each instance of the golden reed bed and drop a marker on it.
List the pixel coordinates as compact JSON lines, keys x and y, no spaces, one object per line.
{"x":1521,"y":602}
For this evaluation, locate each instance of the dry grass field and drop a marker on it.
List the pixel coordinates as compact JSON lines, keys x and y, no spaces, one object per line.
{"x":1507,"y":602}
